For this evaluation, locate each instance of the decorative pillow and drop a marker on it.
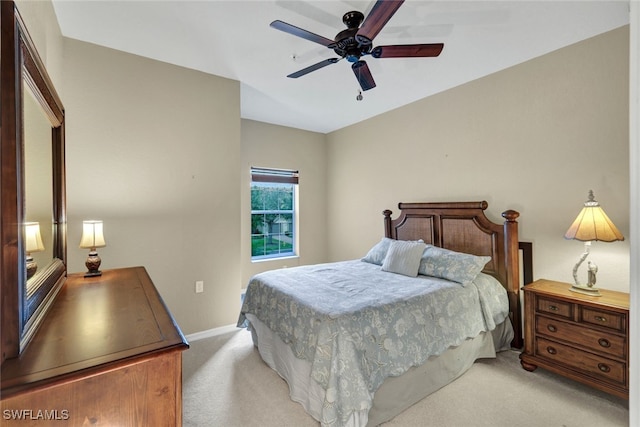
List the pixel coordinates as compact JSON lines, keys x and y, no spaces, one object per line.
{"x":455,"y":266}
{"x":377,"y":253}
{"x":403,"y":257}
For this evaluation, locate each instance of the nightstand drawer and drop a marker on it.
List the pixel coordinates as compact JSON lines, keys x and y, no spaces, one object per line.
{"x":554,"y":307}
{"x":602,"y":318}
{"x":606,"y":343}
{"x":599,"y":367}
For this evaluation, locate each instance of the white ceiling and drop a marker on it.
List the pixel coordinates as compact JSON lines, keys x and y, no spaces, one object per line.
{"x":233,"y":39}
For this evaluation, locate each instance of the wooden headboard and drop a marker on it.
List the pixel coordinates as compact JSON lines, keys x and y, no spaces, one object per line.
{"x":463,"y":227}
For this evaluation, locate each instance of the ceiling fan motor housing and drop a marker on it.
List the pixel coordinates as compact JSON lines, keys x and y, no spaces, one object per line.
{"x":347,"y":45}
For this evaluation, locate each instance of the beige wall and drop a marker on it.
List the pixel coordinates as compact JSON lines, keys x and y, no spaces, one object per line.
{"x":534,"y":138}
{"x":154,"y":151}
{"x":265,"y":145}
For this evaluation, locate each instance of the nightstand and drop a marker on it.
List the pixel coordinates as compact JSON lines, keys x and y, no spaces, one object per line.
{"x":582,"y":337}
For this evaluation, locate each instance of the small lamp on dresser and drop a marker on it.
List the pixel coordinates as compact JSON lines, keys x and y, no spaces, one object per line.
{"x":32,"y":243}
{"x":92,"y":238}
{"x":591,"y":224}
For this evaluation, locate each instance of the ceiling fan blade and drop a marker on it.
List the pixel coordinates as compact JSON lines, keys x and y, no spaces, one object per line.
{"x":407,"y":50}
{"x":382,"y":11}
{"x":363,"y":74}
{"x":313,"y":67}
{"x":299,"y":32}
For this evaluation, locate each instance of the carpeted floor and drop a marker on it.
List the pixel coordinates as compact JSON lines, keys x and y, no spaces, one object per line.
{"x":226,"y":384}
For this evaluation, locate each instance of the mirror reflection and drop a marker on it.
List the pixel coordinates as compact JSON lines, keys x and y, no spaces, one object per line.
{"x":38,"y":183}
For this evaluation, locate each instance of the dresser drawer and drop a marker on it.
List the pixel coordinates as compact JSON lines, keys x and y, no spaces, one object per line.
{"x":554,"y":307}
{"x":606,"y":319}
{"x":606,"y":343}
{"x":596,"y":366}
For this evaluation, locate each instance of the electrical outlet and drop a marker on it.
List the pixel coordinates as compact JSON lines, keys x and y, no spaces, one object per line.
{"x":199,"y":286}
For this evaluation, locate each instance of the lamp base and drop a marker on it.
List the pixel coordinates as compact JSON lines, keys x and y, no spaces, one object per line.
{"x":589,"y":288}
{"x":586,"y":290}
{"x":32,"y":267}
{"x":93,"y":265}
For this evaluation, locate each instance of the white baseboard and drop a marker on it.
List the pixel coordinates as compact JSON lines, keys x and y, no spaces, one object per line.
{"x":211,"y":332}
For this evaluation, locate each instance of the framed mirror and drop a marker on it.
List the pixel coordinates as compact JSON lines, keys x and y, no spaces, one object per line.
{"x":33,"y":186}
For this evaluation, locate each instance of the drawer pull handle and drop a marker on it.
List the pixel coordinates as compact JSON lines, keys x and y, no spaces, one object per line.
{"x":603,"y":367}
{"x":601,"y":319}
{"x":551,"y":350}
{"x":604,"y":342}
{"x":553,"y":308}
{"x":552,"y":328}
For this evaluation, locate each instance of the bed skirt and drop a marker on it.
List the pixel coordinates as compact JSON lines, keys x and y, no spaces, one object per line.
{"x":397,"y":393}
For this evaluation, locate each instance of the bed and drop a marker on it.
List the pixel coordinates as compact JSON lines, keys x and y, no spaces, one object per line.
{"x":360,"y":341}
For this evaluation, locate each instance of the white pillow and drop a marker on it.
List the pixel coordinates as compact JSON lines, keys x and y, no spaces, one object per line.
{"x":403,"y":257}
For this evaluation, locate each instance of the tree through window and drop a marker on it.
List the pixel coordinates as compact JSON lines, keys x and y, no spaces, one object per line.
{"x":273,"y":193}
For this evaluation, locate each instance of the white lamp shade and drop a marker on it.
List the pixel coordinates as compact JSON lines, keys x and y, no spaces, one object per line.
{"x":92,"y":235}
{"x":33,"y":239}
{"x":593,"y":224}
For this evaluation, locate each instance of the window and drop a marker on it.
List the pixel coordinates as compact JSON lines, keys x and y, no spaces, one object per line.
{"x":273,"y":194}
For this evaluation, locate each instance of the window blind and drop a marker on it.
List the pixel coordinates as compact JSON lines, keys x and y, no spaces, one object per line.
{"x":274,"y":175}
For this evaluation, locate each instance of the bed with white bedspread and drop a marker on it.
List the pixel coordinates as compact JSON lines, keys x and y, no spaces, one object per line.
{"x":359,"y":341}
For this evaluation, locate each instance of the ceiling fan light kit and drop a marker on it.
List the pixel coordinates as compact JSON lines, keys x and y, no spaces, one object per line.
{"x":357,"y":41}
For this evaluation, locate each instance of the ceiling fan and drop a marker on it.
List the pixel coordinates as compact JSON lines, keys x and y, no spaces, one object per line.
{"x":357,"y":41}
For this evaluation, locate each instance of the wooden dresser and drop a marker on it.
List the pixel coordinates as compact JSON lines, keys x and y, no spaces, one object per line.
{"x":108,"y":353}
{"x":582,"y":337}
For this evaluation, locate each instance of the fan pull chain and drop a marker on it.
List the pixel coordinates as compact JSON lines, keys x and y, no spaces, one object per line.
{"x":359,"y":97}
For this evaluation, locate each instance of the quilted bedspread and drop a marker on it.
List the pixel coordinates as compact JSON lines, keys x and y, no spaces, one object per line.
{"x":358,"y":325}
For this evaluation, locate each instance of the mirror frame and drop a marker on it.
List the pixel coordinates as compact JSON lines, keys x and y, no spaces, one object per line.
{"x":21,"y":311}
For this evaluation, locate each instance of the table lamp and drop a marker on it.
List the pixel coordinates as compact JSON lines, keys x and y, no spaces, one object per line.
{"x":92,"y":238}
{"x":32,"y":243}
{"x":591,"y":224}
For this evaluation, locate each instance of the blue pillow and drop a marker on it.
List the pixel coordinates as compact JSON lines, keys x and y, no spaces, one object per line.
{"x":377,"y":253}
{"x":455,"y":266}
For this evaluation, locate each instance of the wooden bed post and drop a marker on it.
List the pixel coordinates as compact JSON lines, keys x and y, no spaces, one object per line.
{"x":513,"y":275}
{"x":387,"y":222}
